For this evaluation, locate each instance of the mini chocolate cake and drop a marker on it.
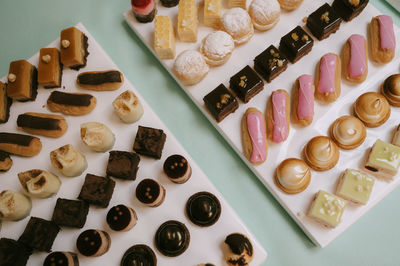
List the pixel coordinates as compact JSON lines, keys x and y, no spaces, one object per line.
{"x":123,"y":165}
{"x":13,"y":253}
{"x":220,"y":102}
{"x":121,"y":218}
{"x":93,"y":243}
{"x":349,"y":9}
{"x":71,"y":213}
{"x":60,"y":258}
{"x":97,"y":190}
{"x":149,"y":141}
{"x":177,"y":168}
{"x":150,"y":192}
{"x":246,"y":84}
{"x":323,"y":22}
{"x":5,"y":161}
{"x":172,"y":238}
{"x":139,"y":255}
{"x":296,"y":44}
{"x":5,"y":103}
{"x":39,"y":234}
{"x":203,"y":209}
{"x":270,"y":63}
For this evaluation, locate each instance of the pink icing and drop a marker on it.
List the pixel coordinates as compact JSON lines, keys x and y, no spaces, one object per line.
{"x":143,"y":11}
{"x":327,"y":72}
{"x":305,"y":108}
{"x":280,"y":131}
{"x":357,"y":65}
{"x":256,"y":127}
{"x":388,"y":41}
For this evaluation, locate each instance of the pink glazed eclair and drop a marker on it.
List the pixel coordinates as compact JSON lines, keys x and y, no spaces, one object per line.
{"x":383,"y":40}
{"x":328,"y":78}
{"x":303,"y":100}
{"x":278,"y":112}
{"x":254,"y":136}
{"x":355,"y":58}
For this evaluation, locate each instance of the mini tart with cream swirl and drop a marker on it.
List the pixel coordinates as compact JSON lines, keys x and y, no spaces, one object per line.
{"x":391,"y":89}
{"x":321,"y":153}
{"x":292,"y":176}
{"x":348,"y":132}
{"x":372,"y":109}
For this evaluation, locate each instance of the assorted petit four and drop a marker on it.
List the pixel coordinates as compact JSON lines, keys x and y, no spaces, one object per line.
{"x":220,"y":102}
{"x":246,"y":84}
{"x":278,"y":114}
{"x":123,"y":165}
{"x":177,"y":169}
{"x":296,"y":44}
{"x":323,"y":22}
{"x":71,"y":103}
{"x":349,"y":9}
{"x":264,"y":13}
{"x":5,"y":161}
{"x":321,"y":153}
{"x":383,"y":40}
{"x":217,"y":47}
{"x":188,"y":21}
{"x":293,"y":175}
{"x":47,"y":125}
{"x":238,"y":250}
{"x":203,"y":209}
{"x":97,"y":136}
{"x":169,"y":3}
{"x":372,"y":109}
{"x":97,"y":190}
{"x":121,"y":218}
{"x":19,"y":144}
{"x":172,"y":238}
{"x":128,"y":107}
{"x":212,"y":13}
{"x":5,"y":103}
{"x":69,"y":161}
{"x":70,"y":213}
{"x":61,"y":258}
{"x":190,"y":67}
{"x":328,"y":78}
{"x":73,"y":48}
{"x":355,"y":186}
{"x":144,"y":10}
{"x":39,"y":234}
{"x":270,"y":63}
{"x":327,"y":209}
{"x":13,"y":253}
{"x":108,"y":80}
{"x":237,"y":22}
{"x":39,"y":183}
{"x":150,"y":192}
{"x":149,"y":142}
{"x":303,"y":100}
{"x":355,"y":58}
{"x":383,"y":160}
{"x":348,"y":132}
{"x":93,"y":243}
{"x":164,"y":38}
{"x":49,"y":68}
{"x":391,"y":89}
{"x":22,"y":81}
{"x":139,"y":255}
{"x":254,"y":136}
{"x":20,"y":208}
{"x":396,"y":136}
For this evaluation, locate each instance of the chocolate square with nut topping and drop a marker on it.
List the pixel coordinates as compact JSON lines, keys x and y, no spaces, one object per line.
{"x":323,"y":22}
{"x":349,"y":9}
{"x":123,"y":165}
{"x":270,"y":63}
{"x":39,"y":234}
{"x":97,"y":190}
{"x":71,"y":213}
{"x":296,"y":44}
{"x":246,"y":84}
{"x":149,"y":141}
{"x":220,"y":102}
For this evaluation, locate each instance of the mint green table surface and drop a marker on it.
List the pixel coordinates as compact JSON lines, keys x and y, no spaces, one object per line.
{"x":26,"y":26}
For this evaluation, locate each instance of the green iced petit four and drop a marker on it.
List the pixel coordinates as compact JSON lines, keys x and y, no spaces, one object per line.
{"x":355,"y":186}
{"x":327,"y":208}
{"x":384,"y":159}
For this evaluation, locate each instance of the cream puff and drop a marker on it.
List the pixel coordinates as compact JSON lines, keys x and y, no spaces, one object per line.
{"x":321,"y":153}
{"x":97,"y":136}
{"x":348,"y":132}
{"x":391,"y":89}
{"x":278,"y":114}
{"x":382,"y":39}
{"x":303,"y":100}
{"x":355,"y":58}
{"x":190,"y":67}
{"x":237,"y":22}
{"x":292,"y":176}
{"x":328,"y":78}
{"x":290,"y":5}
{"x":217,"y":47}
{"x":372,"y":109}
{"x":264,"y":14}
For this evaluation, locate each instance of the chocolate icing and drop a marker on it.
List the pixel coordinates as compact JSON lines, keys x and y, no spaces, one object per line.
{"x":203,"y":209}
{"x":348,"y":11}
{"x":89,"y":242}
{"x":172,"y":238}
{"x":246,"y":84}
{"x":175,"y":166}
{"x":14,"y":138}
{"x":70,"y":98}
{"x":296,"y":44}
{"x":37,"y":122}
{"x":220,"y":102}
{"x":323,"y":22}
{"x":61,"y":259}
{"x":119,"y":217}
{"x":270,"y":63}
{"x":90,"y":78}
{"x":148,"y":190}
{"x":139,"y":255}
{"x":238,"y":244}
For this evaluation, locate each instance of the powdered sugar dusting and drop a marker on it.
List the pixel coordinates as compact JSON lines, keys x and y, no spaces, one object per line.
{"x":236,"y":20}
{"x":265,"y":11}
{"x":217,"y":45}
{"x":190,"y":63}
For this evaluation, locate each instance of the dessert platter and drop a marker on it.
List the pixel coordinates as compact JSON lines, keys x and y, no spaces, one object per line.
{"x":303,"y":94}
{"x":90,"y":175}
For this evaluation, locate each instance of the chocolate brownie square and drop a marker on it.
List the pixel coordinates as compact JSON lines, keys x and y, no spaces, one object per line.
{"x":296,"y":44}
{"x":13,"y":253}
{"x":323,"y":22}
{"x":220,"y":102}
{"x":39,"y":234}
{"x":149,"y":141}
{"x":123,"y":165}
{"x":246,"y":84}
{"x":71,"y":213}
{"x":97,"y":190}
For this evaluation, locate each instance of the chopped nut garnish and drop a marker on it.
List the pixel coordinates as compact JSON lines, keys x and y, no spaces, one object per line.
{"x":280,"y":63}
{"x":354,"y":2}
{"x":225,"y":98}
{"x":304,"y":20}
{"x":272,"y":51}
{"x":325,"y":17}
{"x":46,"y":58}
{"x":11,"y":77}
{"x":242,"y":83}
{"x":295,"y":36}
{"x":65,"y":44}
{"x":304,"y":38}
{"x":218,"y":105}
{"x":243,"y":77}
{"x":276,"y":55}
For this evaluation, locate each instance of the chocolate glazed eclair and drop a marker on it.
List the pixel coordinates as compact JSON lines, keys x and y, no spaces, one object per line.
{"x":71,"y":103}
{"x":108,"y":80}
{"x":19,"y":144}
{"x":48,"y":125}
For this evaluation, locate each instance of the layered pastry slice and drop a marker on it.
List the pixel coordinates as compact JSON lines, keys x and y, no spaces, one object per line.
{"x":164,"y":37}
{"x":50,"y":68}
{"x":212,"y":13}
{"x":22,"y":81}
{"x":187,"y":21}
{"x":73,"y":48}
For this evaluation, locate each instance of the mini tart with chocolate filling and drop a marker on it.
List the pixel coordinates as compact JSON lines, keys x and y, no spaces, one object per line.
{"x":172,"y":238}
{"x":177,"y":169}
{"x":348,"y":132}
{"x":372,"y":109}
{"x":321,"y":153}
{"x":238,"y":250}
{"x":292,"y":175}
{"x":139,"y":255}
{"x":203,"y":209}
{"x":391,"y":89}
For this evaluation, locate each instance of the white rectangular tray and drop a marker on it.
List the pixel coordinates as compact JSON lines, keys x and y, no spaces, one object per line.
{"x":207,"y":240}
{"x":395,"y":4}
{"x":295,"y":205}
